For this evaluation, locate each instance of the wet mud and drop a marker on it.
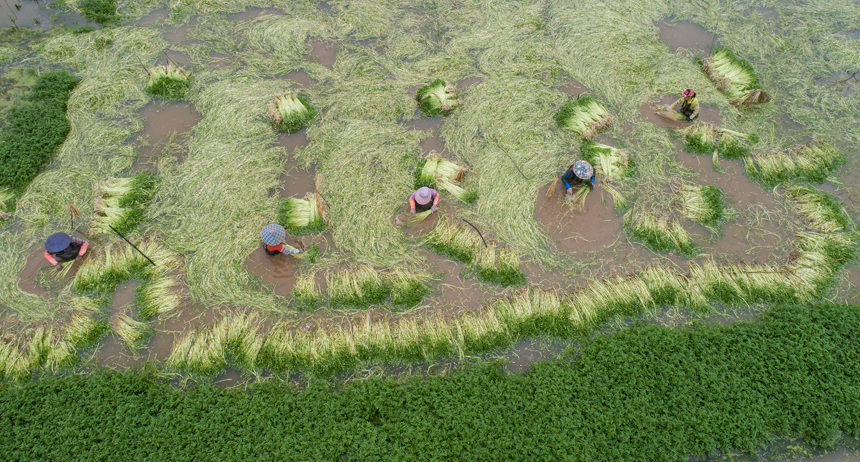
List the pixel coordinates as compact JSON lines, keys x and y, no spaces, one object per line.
{"x":591,"y":227}
{"x":707,"y":113}
{"x":324,"y":52}
{"x":278,"y":272}
{"x":574,"y":88}
{"x":165,"y":123}
{"x":253,"y":13}
{"x":454,"y":294}
{"x":686,"y":34}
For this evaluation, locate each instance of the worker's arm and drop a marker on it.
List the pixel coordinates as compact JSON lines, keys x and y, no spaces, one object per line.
{"x":83,"y":249}
{"x":568,"y":175}
{"x":52,"y":261}
{"x":412,"y":205}
{"x":680,"y":101}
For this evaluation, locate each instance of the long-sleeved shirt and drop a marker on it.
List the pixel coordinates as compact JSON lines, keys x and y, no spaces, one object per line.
{"x":68,"y":252}
{"x":569,"y":178}
{"x":281,"y":248}
{"x":687,"y":106}
{"x":433,"y":193}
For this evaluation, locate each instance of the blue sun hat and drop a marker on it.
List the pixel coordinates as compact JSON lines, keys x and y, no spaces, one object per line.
{"x":273,"y":234}
{"x":57,"y":242}
{"x":583,"y":170}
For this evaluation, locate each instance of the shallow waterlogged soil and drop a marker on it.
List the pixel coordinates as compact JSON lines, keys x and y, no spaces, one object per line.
{"x":361,"y":64}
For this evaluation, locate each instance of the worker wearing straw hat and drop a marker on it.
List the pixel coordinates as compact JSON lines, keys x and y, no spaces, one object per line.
{"x":689,"y":104}
{"x":578,"y":173}
{"x":63,"y":247}
{"x":423,"y":199}
{"x":273,"y":238}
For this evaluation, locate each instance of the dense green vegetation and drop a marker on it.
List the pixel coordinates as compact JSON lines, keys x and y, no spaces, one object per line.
{"x":35,"y":129}
{"x":645,"y":393}
{"x":101,"y":11}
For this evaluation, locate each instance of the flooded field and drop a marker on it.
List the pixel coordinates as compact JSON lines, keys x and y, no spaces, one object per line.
{"x":223,"y":163}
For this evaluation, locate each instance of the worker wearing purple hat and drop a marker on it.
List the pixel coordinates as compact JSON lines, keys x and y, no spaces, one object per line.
{"x":423,"y":199}
{"x":689,"y":104}
{"x":578,"y":173}
{"x":63,"y":247}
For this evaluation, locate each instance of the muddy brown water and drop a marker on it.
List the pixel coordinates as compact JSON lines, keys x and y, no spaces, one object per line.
{"x":124,"y":295}
{"x":527,"y":352}
{"x":37,"y":15}
{"x":324,"y":52}
{"x":230,"y":378}
{"x":455,"y":294}
{"x":433,"y":142}
{"x":299,"y":77}
{"x":163,"y":122}
{"x":686,"y":34}
{"x":39,"y":277}
{"x":591,"y":227}
{"x":574,"y":88}
{"x":253,"y":13}
{"x":707,"y":113}
{"x":277,"y":272}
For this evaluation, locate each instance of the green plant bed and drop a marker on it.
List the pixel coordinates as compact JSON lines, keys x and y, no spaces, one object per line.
{"x":35,"y":129}
{"x":103,"y":12}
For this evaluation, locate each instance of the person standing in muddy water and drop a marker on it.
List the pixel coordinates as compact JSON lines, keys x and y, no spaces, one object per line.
{"x":689,"y":105}
{"x":423,"y":199}
{"x":63,"y":247}
{"x":579,"y":173}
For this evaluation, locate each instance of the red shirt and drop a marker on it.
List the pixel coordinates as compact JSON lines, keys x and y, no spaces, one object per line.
{"x":275,"y":248}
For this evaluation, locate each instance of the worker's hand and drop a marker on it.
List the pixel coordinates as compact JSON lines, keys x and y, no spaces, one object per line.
{"x":58,"y":266}
{"x":595,"y":183}
{"x":433,"y":208}
{"x":569,"y":193}
{"x":689,"y":119}
{"x":79,"y":257}
{"x":412,"y":211}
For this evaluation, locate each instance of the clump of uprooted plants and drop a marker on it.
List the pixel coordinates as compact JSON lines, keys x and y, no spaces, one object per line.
{"x":289,"y":112}
{"x":433,"y":171}
{"x":361,"y":286}
{"x":705,"y":138}
{"x":812,"y":162}
{"x":169,"y":82}
{"x":584,"y":116}
{"x":120,"y":203}
{"x":703,"y":204}
{"x":53,"y":348}
{"x":735,"y":77}
{"x":611,"y":166}
{"x":659,"y":231}
{"x":489,"y":262}
{"x":439,"y":98}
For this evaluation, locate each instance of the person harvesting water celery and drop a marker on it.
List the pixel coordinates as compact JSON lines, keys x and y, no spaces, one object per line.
{"x":578,"y":174}
{"x":689,"y":104}
{"x":63,"y":247}
{"x":423,"y":199}
{"x":273,"y":238}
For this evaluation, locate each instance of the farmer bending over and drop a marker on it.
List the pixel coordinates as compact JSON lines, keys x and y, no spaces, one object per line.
{"x":421,"y":200}
{"x":273,"y":238}
{"x":61,"y":246}
{"x":577,"y":174}
{"x":689,"y":105}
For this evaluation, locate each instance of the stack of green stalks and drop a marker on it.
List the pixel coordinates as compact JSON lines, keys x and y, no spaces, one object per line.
{"x":498,"y":265}
{"x":659,"y":232}
{"x":169,"y":82}
{"x":407,"y":287}
{"x":119,"y":262}
{"x":158,"y":297}
{"x":438,"y":99}
{"x":702,"y":204}
{"x":435,"y":171}
{"x":120,"y":203}
{"x":584,"y":116}
{"x":304,"y":216}
{"x":305,"y":291}
{"x":820,"y":211}
{"x":357,"y":286}
{"x":290,"y":112}
{"x":704,"y":138}
{"x":487,"y":261}
{"x":43,"y":348}
{"x":735,"y":77}
{"x":812,"y":162}
{"x":611,"y":166}
{"x":134,"y":334}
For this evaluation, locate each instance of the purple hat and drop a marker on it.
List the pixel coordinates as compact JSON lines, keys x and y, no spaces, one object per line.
{"x":57,"y":242}
{"x":423,"y":195}
{"x":583,"y":170}
{"x":273,"y":234}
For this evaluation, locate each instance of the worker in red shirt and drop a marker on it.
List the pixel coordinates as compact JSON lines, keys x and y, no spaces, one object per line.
{"x":63,"y":247}
{"x":273,"y":238}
